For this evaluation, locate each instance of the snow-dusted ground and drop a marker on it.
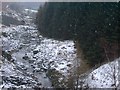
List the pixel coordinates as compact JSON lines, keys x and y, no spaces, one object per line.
{"x":32,"y":55}
{"x":27,"y":57}
{"x":57,"y":54}
{"x":106,"y":76}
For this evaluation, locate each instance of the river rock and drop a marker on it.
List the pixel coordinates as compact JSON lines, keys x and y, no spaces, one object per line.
{"x":35,"y":51}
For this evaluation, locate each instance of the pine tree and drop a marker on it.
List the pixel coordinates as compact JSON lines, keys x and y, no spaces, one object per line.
{"x":83,"y":22}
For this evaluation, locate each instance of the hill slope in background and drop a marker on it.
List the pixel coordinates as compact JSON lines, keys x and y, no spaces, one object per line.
{"x":6,"y":20}
{"x":17,"y":13}
{"x":30,"y":5}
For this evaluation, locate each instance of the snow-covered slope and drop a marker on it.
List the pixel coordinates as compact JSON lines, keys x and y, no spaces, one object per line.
{"x":12,"y":13}
{"x":106,"y":76}
{"x":20,"y":17}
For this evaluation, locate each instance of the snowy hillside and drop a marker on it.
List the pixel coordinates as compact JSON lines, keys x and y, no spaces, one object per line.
{"x":106,"y":76}
{"x":12,"y":13}
{"x":16,"y":15}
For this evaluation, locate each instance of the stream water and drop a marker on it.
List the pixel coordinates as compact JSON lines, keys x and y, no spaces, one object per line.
{"x":20,"y":42}
{"x":36,"y":60}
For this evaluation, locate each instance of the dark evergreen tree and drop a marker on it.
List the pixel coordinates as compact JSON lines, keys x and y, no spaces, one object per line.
{"x":86,"y":22}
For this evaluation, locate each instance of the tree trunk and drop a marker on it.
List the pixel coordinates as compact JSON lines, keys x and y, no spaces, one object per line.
{"x":81,"y":62}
